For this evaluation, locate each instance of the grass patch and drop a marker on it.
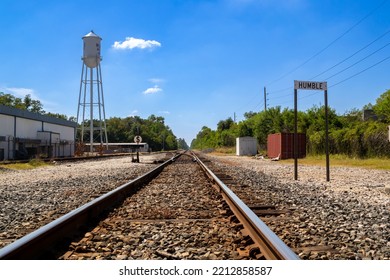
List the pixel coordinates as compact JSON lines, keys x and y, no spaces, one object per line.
{"x":34,"y":163}
{"x":342,"y":160}
{"x":224,"y":151}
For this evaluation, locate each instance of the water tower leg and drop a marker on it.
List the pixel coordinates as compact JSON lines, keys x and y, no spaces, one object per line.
{"x":104,"y":112}
{"x":91,"y":113}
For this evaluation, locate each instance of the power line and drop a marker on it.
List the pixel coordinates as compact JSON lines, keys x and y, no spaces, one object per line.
{"x":352,"y":55}
{"x":337,"y":64}
{"x":282,"y":96}
{"x":358,"y":61}
{"x":346,"y":79}
{"x":280,"y":90}
{"x":360,"y":72}
{"x":330,"y":44}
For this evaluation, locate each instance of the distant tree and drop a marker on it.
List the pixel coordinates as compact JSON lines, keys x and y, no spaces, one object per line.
{"x":72,"y":119}
{"x":152,"y":130}
{"x":27,"y":103}
{"x":9,"y":100}
{"x":206,"y":138}
{"x":225,"y":124}
{"x":348,"y":133}
{"x":182,"y":144}
{"x":56,"y":115}
{"x":382,"y":106}
{"x":249,"y":114}
{"x":244,"y":129}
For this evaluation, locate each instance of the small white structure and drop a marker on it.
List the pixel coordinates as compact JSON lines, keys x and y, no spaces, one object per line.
{"x":246,"y":146}
{"x":389,"y":132}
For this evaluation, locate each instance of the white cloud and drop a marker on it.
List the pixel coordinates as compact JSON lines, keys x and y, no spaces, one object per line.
{"x":164,"y":112}
{"x":133,"y":43}
{"x":133,"y":113}
{"x":21,"y":92}
{"x":152,"y":90}
{"x":156,"y":80}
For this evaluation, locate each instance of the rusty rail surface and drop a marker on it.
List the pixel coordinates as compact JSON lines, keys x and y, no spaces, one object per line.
{"x":271,"y":246}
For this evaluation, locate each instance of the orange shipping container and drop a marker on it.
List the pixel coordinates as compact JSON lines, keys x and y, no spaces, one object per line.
{"x":282,"y":145}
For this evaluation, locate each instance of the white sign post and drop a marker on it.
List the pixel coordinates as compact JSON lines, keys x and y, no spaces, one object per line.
{"x":310,"y":85}
{"x":137,"y":139}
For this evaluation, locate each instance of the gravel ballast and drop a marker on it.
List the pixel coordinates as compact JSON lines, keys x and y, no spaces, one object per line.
{"x":30,"y":199}
{"x":346,"y":218}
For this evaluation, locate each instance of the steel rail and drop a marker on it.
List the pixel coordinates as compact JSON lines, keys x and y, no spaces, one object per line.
{"x":271,"y":246}
{"x":40,"y":243}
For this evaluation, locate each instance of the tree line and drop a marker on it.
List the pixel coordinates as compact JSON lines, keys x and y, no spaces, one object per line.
{"x":153,"y":130}
{"x":28,"y":104}
{"x":349,"y":134}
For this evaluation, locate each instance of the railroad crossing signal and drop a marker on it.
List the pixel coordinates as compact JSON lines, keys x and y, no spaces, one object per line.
{"x":137,"y":139}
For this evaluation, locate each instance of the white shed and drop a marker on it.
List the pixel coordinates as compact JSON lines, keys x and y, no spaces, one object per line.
{"x":246,"y":146}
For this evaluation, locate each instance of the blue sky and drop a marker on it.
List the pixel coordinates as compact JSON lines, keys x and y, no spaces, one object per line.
{"x":197,"y":62}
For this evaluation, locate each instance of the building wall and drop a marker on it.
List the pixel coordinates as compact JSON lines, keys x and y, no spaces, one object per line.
{"x":7,"y":132}
{"x":67,"y":133}
{"x":26,"y":128}
{"x":7,"y":125}
{"x":21,"y":133}
{"x":246,"y":146}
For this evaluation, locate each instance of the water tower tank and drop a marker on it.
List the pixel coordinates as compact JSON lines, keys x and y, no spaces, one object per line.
{"x":91,"y":55}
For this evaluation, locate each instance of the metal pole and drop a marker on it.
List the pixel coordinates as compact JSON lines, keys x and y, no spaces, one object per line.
{"x":265,"y":99}
{"x":91,"y":113}
{"x":295,"y":135}
{"x":104,"y":112}
{"x":84,"y":104}
{"x":327,"y":137}
{"x":81,"y":87}
{"x":99,"y":106}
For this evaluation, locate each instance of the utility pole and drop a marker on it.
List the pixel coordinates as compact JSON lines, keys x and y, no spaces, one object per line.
{"x":265,"y":99}
{"x":234,"y":117}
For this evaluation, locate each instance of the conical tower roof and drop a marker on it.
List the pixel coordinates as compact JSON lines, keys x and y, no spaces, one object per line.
{"x":92,"y":34}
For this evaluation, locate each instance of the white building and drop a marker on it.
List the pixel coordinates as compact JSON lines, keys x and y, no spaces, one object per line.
{"x":24,"y":134}
{"x":246,"y":146}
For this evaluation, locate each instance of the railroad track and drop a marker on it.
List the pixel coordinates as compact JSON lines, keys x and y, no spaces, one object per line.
{"x":172,"y":212}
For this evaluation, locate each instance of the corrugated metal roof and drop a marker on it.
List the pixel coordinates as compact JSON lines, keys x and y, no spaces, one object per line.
{"x":5,"y":110}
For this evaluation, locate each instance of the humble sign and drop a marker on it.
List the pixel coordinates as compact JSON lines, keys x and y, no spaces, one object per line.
{"x":310,"y":85}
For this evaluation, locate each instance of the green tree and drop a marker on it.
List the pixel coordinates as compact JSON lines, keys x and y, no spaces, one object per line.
{"x":182,"y":144}
{"x":382,"y":106}
{"x":204,"y":139}
{"x":27,"y":103}
{"x":59,"y":116}
{"x":225,"y":124}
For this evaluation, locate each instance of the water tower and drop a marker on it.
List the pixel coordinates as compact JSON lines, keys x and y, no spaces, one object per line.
{"x":91,"y":93}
